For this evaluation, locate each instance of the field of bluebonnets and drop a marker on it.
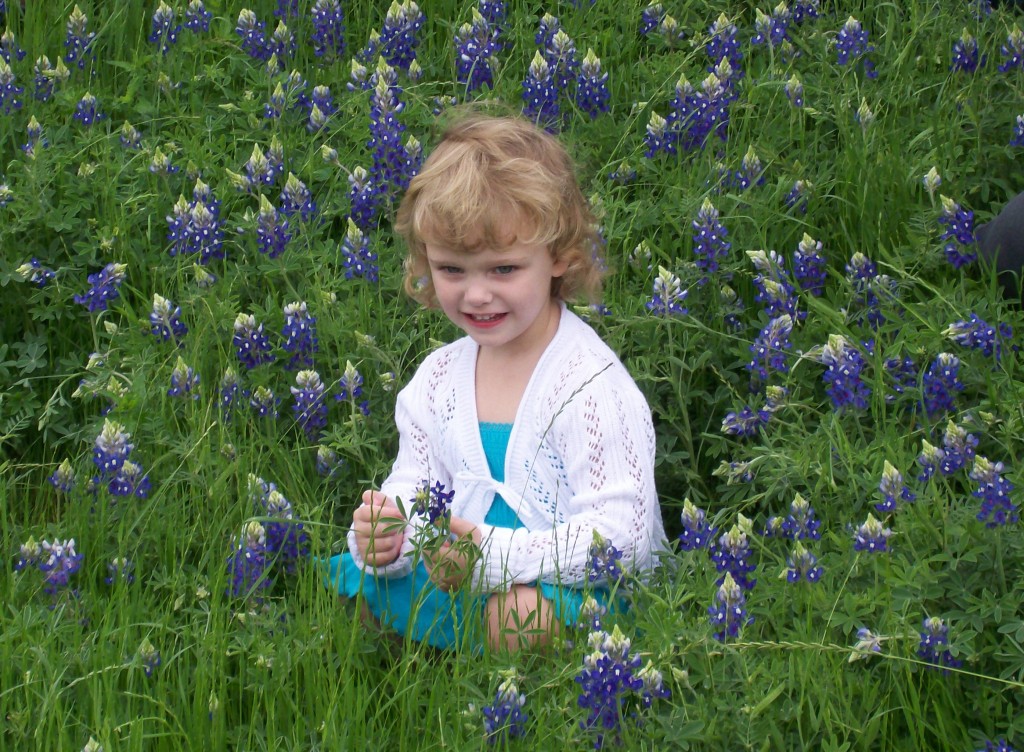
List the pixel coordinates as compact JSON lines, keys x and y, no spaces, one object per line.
{"x":202,"y":336}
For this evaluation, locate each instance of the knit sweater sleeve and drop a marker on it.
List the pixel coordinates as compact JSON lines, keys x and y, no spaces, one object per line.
{"x":594,"y":472}
{"x":417,"y":461}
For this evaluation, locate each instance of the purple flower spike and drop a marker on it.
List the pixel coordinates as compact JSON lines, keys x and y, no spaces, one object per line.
{"x":842,"y":376}
{"x":184,"y":381}
{"x":433,"y":502}
{"x":504,"y":719}
{"x":607,"y":681}
{"x":540,"y":95}
{"x":10,"y":92}
{"x":272,"y":230}
{"x":104,"y":286}
{"x":58,"y":561}
{"x":852,"y":45}
{"x":164,"y":31}
{"x":697,"y":531}
{"x":668,"y":296}
{"x":197,"y":17}
{"x":893,"y":489}
{"x":78,"y":42}
{"x":731,"y":554}
{"x":729,"y":612}
{"x":165,"y":320}
{"x":476,"y":47}
{"x":299,"y":334}
{"x":604,"y":561}
{"x":251,"y":343}
{"x":710,"y":244}
{"x":248,"y":562}
{"x":802,"y":565}
{"x":360,"y":260}
{"x":872,"y":536}
{"x":310,"y":406}
{"x":87,"y":110}
{"x":994,"y":491}
{"x":1013,"y":51}
{"x":934,"y":645}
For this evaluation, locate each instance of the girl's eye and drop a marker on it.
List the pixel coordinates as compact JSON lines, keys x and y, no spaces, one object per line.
{"x":504,"y":269}
{"x":450,"y":269}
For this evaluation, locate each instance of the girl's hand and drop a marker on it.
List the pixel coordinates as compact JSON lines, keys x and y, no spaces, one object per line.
{"x":379,"y":527}
{"x":452,"y":562}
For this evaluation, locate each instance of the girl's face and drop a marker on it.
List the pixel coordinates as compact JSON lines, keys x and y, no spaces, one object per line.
{"x":499,"y":297}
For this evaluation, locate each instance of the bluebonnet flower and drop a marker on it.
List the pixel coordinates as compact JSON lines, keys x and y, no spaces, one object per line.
{"x":111,"y":448}
{"x":590,"y":615}
{"x":867,"y":645}
{"x":959,"y":232}
{"x":653,"y":685}
{"x":802,"y":565}
{"x":852,"y":45}
{"x":1018,"y":132}
{"x":934,"y":645}
{"x":130,"y":480}
{"x":433,"y":501}
{"x":670,"y":31}
{"x":559,"y":51}
{"x":285,"y":539}
{"x":624,"y":174}
{"x":650,"y":18}
{"x":184,"y":381}
{"x":966,"y":58}
{"x":940,"y":383}
{"x":809,"y":266}
{"x":46,"y":77}
{"x":931,"y":181}
{"x":870,"y":289}
{"x":253,"y":34}
{"x":699,"y":114}
{"x":774,"y":290}
{"x":197,"y":17}
{"x":1000,"y":744}
{"x":364,"y":199}
{"x":800,"y":524}
{"x":751,"y":171}
{"x":287,"y":9}
{"x":359,"y":261}
{"x":772,"y":29}
{"x":87,"y":110}
{"x":795,"y":91}
{"x":328,"y":464}
{"x":893,"y":489}
{"x":709,"y":240}
{"x":697,"y":531}
{"x":203,"y":278}
{"x":540,"y":94}
{"x":33,"y":271}
{"x":797,"y":198}
{"x":958,"y":448}
{"x":281,"y":45}
{"x":842,"y":376}
{"x":251,"y":344}
{"x":63,"y":478}
{"x":164,"y":32}
{"x":9,"y":49}
{"x":994,"y":491}
{"x":130,"y":138}
{"x":10,"y":92}
{"x":310,"y":408}
{"x":731,"y":554}
{"x":476,"y":45}
{"x":165,"y":320}
{"x":120,"y":569}
{"x":723,"y":43}
{"x":1013,"y":50}
{"x":230,"y":389}
{"x":104,"y":287}
{"x":592,"y":86}
{"x":195,"y":226}
{"x":747,"y":422}
{"x":903,"y":374}
{"x":871,"y":536}
{"x":658,"y":138}
{"x":78,"y":41}
{"x":803,"y":10}
{"x":160,"y":164}
{"x":976,"y":334}
{"x":729,"y":611}
{"x":328,"y":36}
{"x":296,"y":198}
{"x":504,"y":719}
{"x":264,"y":403}
{"x":299,"y":334}
{"x":668,"y":296}
{"x":930,"y":459}
{"x":399,"y":36}
{"x":247,"y":564}
{"x":29,"y":554}
{"x":392,"y":166}
{"x":272,"y":230}
{"x":606,"y":682}
{"x":604,"y":561}
{"x":350,"y":388}
{"x":58,"y":560}
{"x":770,"y":349}
{"x":492,"y":10}
{"x":321,"y":107}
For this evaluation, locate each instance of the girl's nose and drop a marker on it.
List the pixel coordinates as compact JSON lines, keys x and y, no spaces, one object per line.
{"x":478,"y":293}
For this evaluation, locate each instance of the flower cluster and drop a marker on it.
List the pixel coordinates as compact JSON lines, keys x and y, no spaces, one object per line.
{"x":398,"y":38}
{"x":958,"y":449}
{"x":33,"y":271}
{"x":842,"y":376}
{"x":197,"y":17}
{"x":710,"y":245}
{"x":78,"y":40}
{"x":697,"y":531}
{"x":723,"y":43}
{"x":253,"y":35}
{"x":273,"y":232}
{"x":966,"y":57}
{"x":800,"y":524}
{"x":729,"y":611}
{"x":871,"y":536}
{"x":1013,"y":51}
{"x":111,"y":451}
{"x":164,"y":32}
{"x":350,"y":389}
{"x":1018,"y":132}
{"x":994,"y":491}
{"x":959,"y":223}
{"x":476,"y":47}
{"x":104,"y":286}
{"x":248,"y":562}
{"x":668,"y":296}
{"x":165,"y":320}
{"x":194,"y":227}
{"x":797,"y":198}
{"x":604,"y":561}
{"x":770,"y":349}
{"x":299,"y":335}
{"x":184,"y":381}
{"x":893,"y":489}
{"x":977,"y":334}
{"x":10,"y":92}
{"x":934,"y":645}
{"x":433,"y":502}
{"x":870,"y":290}
{"x":393,"y":163}
{"x":57,"y":560}
{"x":773,"y":29}
{"x":852,"y":45}
{"x":251,"y":343}
{"x":87,"y":111}
{"x":940,"y":383}
{"x":328,"y":35}
{"x":809,"y":266}
{"x":504,"y":719}
{"x":284,"y":539}
{"x":63,"y":478}
{"x":360,"y":261}
{"x":802,"y":565}
{"x":731,"y":554}
{"x":310,"y":406}
{"x":774,"y":290}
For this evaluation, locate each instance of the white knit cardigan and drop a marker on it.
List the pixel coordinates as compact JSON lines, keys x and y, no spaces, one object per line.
{"x":580,"y":458}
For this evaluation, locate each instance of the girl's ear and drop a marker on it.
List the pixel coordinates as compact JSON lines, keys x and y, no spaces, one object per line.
{"x":559,"y":268}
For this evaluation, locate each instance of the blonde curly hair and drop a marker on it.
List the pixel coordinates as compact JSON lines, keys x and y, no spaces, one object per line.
{"x":488,"y":174}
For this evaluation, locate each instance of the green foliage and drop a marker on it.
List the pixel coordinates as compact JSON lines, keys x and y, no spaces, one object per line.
{"x":297,"y":670}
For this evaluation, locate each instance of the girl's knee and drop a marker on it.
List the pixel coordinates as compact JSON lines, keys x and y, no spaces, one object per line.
{"x":520,"y":618}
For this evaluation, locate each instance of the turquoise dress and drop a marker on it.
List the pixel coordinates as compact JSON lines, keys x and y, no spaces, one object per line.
{"x":412,"y":605}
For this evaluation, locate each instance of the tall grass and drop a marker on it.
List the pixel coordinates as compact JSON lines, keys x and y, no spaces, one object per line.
{"x":299,"y":670}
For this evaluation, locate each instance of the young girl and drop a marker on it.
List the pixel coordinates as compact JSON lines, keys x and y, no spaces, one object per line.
{"x":530,"y":420}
